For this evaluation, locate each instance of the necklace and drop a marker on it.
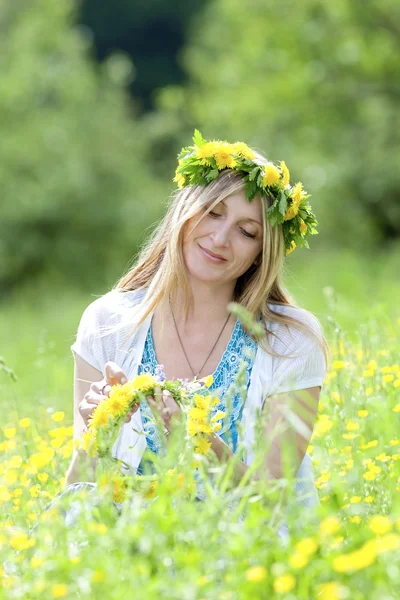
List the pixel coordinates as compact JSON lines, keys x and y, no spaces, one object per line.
{"x":183,"y":348}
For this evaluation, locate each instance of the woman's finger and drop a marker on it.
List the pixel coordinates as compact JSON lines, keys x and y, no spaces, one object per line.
{"x":114,"y":374}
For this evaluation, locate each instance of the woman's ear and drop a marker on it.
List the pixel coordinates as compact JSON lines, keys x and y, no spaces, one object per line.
{"x":257,"y":260}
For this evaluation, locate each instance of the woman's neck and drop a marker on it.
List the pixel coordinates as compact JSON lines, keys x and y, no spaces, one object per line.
{"x":209,"y":304}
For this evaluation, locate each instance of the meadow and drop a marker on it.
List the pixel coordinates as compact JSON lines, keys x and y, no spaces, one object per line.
{"x":163,"y":543}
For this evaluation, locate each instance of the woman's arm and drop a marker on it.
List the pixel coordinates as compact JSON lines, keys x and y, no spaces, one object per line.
{"x":82,"y":467}
{"x":289,"y":422}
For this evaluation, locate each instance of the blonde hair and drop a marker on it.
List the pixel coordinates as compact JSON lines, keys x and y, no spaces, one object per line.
{"x":160,"y":268}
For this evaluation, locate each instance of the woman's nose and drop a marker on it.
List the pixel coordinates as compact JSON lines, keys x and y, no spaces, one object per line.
{"x":221,"y":235}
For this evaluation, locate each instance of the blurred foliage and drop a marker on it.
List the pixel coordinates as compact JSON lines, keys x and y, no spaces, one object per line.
{"x":75,"y":193}
{"x":151,"y":33}
{"x":316,"y":84}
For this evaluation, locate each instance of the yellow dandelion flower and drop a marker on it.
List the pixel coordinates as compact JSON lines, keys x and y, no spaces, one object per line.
{"x":292,"y":247}
{"x":338,"y":364}
{"x":118,"y":489}
{"x":21,"y":541}
{"x":256,"y":574}
{"x":89,"y":441}
{"x":180,"y":180}
{"x":380,"y":524}
{"x":24,"y":423}
{"x":141,"y":383}
{"x":329,"y":525}
{"x":10,"y":432}
{"x":224,"y":158}
{"x":298,"y":561}
{"x":352,"y":426}
{"x":306,"y":546}
{"x":59,"y":590}
{"x":197,"y":414}
{"x":151,"y":491}
{"x":271,"y":175}
{"x":396,"y":408}
{"x":216,"y":427}
{"x":396,"y":383}
{"x":242,"y":149}
{"x":208,"y":381}
{"x":368,"y":445}
{"x":362,"y":413}
{"x":303,"y":226}
{"x":118,"y":402}
{"x":355,"y":499}
{"x":220,"y":414}
{"x":355,"y":561}
{"x":100,"y":416}
{"x":206,"y":151}
{"x":388,"y":378}
{"x":202,"y":445}
{"x":285,"y":173}
{"x":298,"y":193}
{"x":192,"y":428}
{"x":356,"y":519}
{"x":284,"y":583}
{"x":368,"y":499}
{"x":58,"y":416}
{"x":332,"y":591}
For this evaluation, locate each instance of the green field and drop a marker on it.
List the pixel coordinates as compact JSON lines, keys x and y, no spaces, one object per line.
{"x":173,"y":547}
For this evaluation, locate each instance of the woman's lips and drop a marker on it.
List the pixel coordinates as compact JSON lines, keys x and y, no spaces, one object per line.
{"x":210,"y":257}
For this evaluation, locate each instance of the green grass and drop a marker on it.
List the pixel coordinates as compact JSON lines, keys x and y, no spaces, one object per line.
{"x":174,"y":548}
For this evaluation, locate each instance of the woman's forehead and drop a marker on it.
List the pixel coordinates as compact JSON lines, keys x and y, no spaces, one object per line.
{"x":238,"y":202}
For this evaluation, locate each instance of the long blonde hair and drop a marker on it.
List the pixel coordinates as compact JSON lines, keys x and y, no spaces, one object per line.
{"x":160,"y":268}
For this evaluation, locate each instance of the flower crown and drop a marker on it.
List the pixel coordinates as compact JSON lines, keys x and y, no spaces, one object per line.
{"x":201,"y":163}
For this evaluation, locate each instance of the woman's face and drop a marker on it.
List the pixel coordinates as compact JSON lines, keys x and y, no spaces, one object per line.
{"x":227,"y":240}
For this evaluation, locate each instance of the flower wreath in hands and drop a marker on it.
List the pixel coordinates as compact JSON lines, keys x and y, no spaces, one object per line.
{"x":201,"y":163}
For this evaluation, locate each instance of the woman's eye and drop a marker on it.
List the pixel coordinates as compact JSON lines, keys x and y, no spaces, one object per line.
{"x":213,"y":214}
{"x":247,"y":234}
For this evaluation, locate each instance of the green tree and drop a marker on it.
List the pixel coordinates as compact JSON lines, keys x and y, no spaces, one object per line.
{"x":314,"y":83}
{"x":74,"y":191}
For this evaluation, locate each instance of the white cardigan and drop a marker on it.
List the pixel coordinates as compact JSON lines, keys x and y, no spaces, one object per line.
{"x":105,"y":334}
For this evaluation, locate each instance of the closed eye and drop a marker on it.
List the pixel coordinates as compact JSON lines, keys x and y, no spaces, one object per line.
{"x":245,"y":233}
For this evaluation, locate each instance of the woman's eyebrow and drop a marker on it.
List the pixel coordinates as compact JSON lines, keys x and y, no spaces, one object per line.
{"x":245,"y":218}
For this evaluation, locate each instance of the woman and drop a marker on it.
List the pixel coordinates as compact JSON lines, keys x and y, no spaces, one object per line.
{"x":224,"y":238}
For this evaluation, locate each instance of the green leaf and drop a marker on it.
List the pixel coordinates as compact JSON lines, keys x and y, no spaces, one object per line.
{"x":282,"y":203}
{"x":198,"y":138}
{"x":213,"y":174}
{"x":253,"y":173}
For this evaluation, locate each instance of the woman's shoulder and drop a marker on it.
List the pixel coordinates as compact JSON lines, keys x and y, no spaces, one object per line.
{"x":291,"y":330}
{"x":111,"y":307}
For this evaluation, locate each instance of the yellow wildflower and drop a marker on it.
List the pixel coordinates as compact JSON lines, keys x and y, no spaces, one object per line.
{"x":306,"y":546}
{"x":192,"y":428}
{"x":242,"y":149}
{"x":362,"y":413}
{"x":338,"y":364}
{"x":388,"y":378}
{"x":198,"y":414}
{"x":298,"y":561}
{"x":141,"y":383}
{"x":355,"y":561}
{"x":303,"y":226}
{"x":118,"y":402}
{"x":9,"y":432}
{"x":256,"y":574}
{"x":88,"y":441}
{"x":58,"y":416}
{"x":202,"y":445}
{"x":285,"y":173}
{"x":388,"y":542}
{"x":206,"y":152}
{"x":224,"y":158}
{"x":396,"y":408}
{"x":118,"y":489}
{"x":59,"y":590}
{"x":100,"y":416}
{"x":284,"y":583}
{"x":208,"y":381}
{"x":21,"y":541}
{"x":220,"y":414}
{"x":292,"y":247}
{"x":355,"y":499}
{"x":332,"y":591}
{"x":25,"y":422}
{"x":329,"y":525}
{"x":216,"y":427}
{"x":180,"y":180}
{"x":271,"y":175}
{"x":380,"y":524}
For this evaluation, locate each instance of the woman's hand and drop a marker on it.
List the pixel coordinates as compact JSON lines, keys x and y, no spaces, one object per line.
{"x":99,"y":390}
{"x":164,"y":407}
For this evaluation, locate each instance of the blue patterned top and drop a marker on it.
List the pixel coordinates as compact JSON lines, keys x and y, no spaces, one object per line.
{"x":240,"y":346}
